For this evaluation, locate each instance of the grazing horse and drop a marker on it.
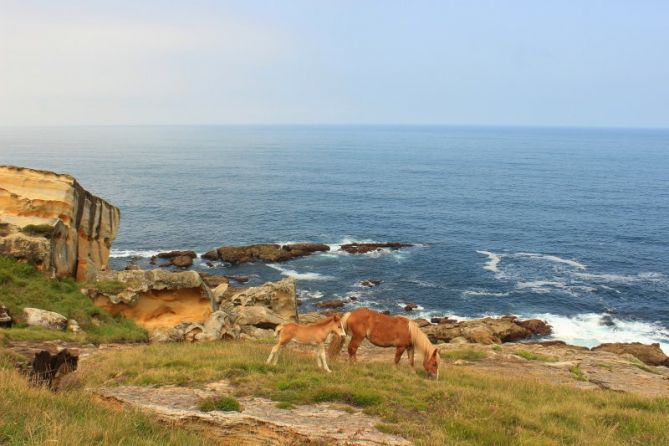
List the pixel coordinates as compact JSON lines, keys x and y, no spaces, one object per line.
{"x":387,"y":331}
{"x":314,"y":334}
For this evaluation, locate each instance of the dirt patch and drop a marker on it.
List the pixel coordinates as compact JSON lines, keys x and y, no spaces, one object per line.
{"x":162,"y":309}
{"x":259,"y":422}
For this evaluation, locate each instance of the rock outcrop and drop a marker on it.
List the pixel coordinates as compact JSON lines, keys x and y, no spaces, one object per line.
{"x":487,"y":330}
{"x":5,"y":318}
{"x":650,"y":354}
{"x":51,"y":221}
{"x":179,"y":306}
{"x":265,"y":252}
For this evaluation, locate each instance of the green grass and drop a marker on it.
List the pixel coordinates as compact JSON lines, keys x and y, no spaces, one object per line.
{"x":224,"y":403}
{"x":464,"y":407}
{"x":577,"y":373}
{"x":497,"y":348}
{"x":23,"y":286}
{"x":38,"y":230}
{"x":110,"y":286}
{"x":467,"y":355}
{"x":38,"y":416}
{"x":532,"y":356}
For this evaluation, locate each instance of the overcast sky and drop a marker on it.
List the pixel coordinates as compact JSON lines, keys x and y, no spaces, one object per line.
{"x":574,"y":63}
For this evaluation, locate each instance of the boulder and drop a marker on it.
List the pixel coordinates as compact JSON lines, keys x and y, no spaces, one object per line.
{"x":5,"y":318}
{"x":173,"y":254}
{"x":142,"y":281}
{"x":264,"y":252}
{"x":536,"y":326}
{"x":219,"y":326}
{"x":333,"y":303}
{"x":650,"y":354}
{"x":258,"y":316}
{"x":251,"y":332}
{"x":182,"y":261}
{"x":35,"y":317}
{"x":213,"y":280}
{"x":280,"y":297}
{"x":54,"y":223}
{"x":73,"y":326}
{"x":362,"y":248}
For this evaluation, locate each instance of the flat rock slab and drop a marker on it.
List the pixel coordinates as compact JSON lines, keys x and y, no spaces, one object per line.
{"x":260,"y":421}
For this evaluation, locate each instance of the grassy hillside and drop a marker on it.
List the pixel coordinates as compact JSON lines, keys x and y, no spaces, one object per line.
{"x":22,"y":286}
{"x":37,"y":416}
{"x":464,"y":406}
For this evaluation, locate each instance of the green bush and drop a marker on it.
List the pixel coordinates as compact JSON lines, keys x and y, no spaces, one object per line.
{"x":38,"y":230}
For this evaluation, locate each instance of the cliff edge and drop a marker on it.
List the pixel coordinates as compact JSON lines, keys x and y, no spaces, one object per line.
{"x":51,"y":221}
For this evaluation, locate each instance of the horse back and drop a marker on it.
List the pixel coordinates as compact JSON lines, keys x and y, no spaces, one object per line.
{"x":381,"y":329}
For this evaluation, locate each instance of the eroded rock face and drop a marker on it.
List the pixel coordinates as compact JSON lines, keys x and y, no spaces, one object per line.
{"x":265,"y":252}
{"x":278,"y":297}
{"x":5,"y":318}
{"x":83,"y":225}
{"x":650,"y":354}
{"x":35,"y":317}
{"x":487,"y":330}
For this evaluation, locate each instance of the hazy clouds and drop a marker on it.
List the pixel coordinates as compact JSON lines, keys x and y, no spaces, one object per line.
{"x":156,"y":62}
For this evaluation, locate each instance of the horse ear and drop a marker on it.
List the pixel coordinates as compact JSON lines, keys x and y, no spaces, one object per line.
{"x":435,"y":353}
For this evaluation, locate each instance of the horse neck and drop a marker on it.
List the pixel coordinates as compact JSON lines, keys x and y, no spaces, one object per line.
{"x":420,"y":340}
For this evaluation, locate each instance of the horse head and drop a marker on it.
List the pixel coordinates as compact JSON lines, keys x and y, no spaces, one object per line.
{"x":431,"y":364}
{"x":339,"y":327}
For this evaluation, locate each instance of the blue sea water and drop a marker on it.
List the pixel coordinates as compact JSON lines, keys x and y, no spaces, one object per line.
{"x":571,"y":225}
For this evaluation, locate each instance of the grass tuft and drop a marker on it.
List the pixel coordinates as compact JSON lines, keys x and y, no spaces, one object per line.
{"x":224,"y":403}
{"x":110,"y":286}
{"x":577,"y":373}
{"x":531,"y":356}
{"x":468,"y":355}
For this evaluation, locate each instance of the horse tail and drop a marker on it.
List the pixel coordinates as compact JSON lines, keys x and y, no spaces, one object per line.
{"x":338,"y":341}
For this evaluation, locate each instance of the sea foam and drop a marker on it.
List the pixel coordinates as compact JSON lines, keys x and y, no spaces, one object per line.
{"x":297,"y":275}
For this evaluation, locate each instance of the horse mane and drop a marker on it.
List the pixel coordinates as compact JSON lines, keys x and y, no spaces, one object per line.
{"x":420,"y":340}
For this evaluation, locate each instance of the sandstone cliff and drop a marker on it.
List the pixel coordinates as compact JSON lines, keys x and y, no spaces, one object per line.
{"x":83,"y":226}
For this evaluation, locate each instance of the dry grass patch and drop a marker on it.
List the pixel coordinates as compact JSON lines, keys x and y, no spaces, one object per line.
{"x":463,"y":407}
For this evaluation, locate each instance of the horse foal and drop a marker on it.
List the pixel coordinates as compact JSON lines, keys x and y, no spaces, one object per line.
{"x":314,"y":334}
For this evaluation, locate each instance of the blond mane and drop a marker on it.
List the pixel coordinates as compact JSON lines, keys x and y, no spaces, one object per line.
{"x":420,"y":340}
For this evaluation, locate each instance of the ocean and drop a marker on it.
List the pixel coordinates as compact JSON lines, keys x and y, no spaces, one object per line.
{"x":568,"y":225}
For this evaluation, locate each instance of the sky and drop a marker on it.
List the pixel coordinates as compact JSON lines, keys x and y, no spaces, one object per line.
{"x":139,"y":62}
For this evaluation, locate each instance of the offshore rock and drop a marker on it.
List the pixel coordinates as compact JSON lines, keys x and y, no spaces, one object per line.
{"x":265,"y":252}
{"x":362,"y":248}
{"x":51,"y":221}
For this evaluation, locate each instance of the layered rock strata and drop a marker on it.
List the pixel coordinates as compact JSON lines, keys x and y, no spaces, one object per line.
{"x":265,"y":252}
{"x":51,"y":221}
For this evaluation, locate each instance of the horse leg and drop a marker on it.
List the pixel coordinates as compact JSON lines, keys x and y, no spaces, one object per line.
{"x":321,"y":353}
{"x":410,"y":352}
{"x":319,"y":359}
{"x":356,"y":340}
{"x":398,"y":354}
{"x":275,"y":351}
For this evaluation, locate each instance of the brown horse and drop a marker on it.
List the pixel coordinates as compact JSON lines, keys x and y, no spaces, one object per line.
{"x":387,"y":331}
{"x":315,"y":334}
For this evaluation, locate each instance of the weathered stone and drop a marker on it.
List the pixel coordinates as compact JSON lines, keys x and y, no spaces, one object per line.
{"x":260,"y":317}
{"x":73,"y":326}
{"x":422,"y":322}
{"x":410,"y":307}
{"x":485,"y":331}
{"x":650,"y":354}
{"x":35,"y":317}
{"x":84,"y":225}
{"x":370,"y":283}
{"x":213,"y":280}
{"x":218,"y":326}
{"x":279,"y":296}
{"x":173,"y":254}
{"x":182,"y":261}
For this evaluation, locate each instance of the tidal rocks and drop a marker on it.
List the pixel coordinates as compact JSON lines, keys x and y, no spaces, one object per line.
{"x":362,"y":248}
{"x":333,"y":303}
{"x":410,"y":307}
{"x":35,"y":317}
{"x":82,"y":226}
{"x":5,"y":318}
{"x":487,"y":330}
{"x":265,"y":252}
{"x":370,"y":283}
{"x":650,"y":354}
{"x":180,"y":259}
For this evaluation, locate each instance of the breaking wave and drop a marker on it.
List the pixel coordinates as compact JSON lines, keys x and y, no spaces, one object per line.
{"x":297,"y":275}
